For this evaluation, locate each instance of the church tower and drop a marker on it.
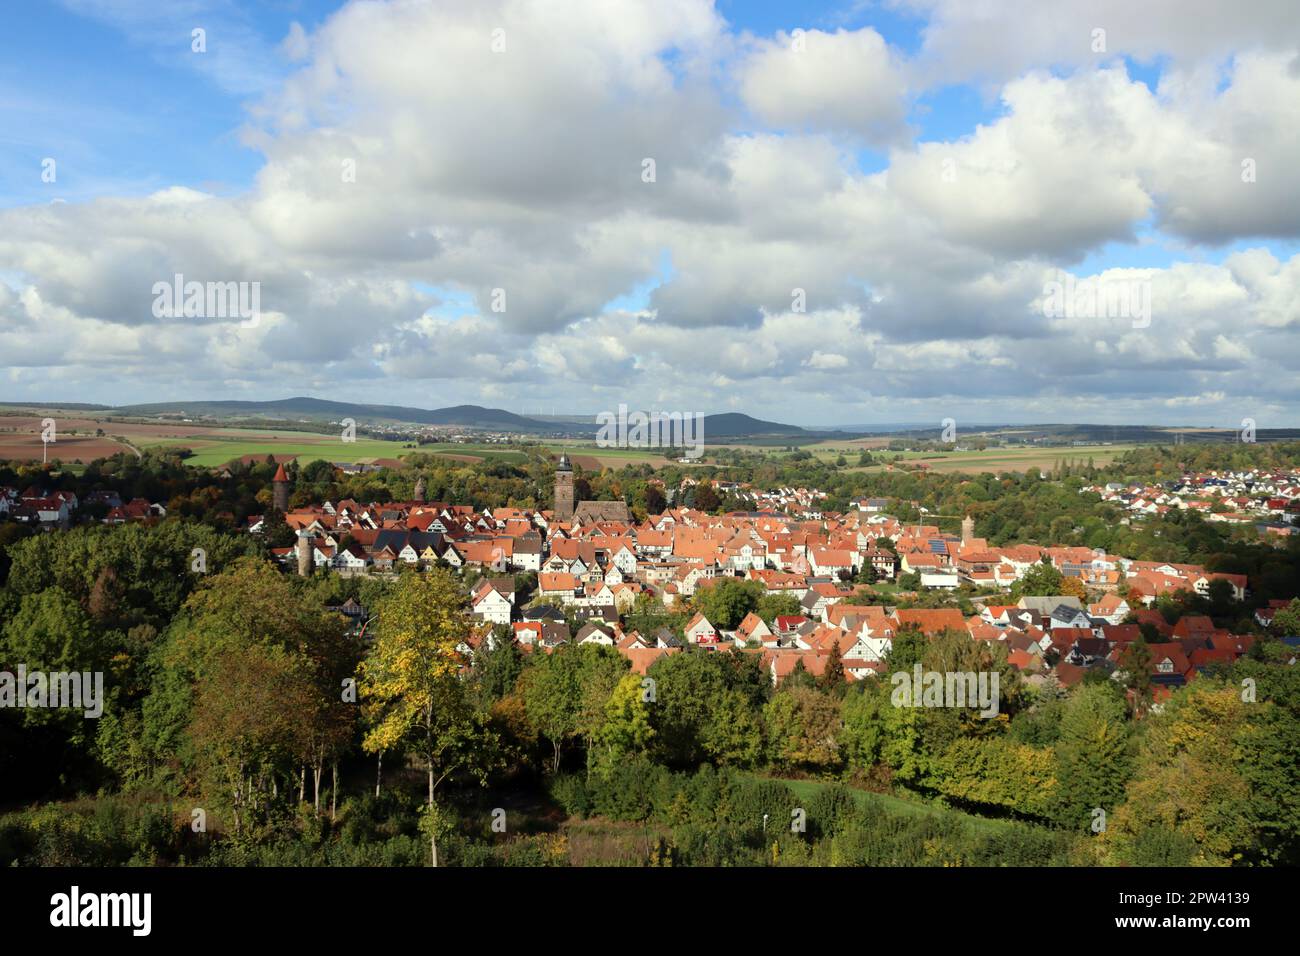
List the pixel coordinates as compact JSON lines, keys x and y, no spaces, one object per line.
{"x":563,"y":489}
{"x":280,"y":489}
{"x":967,"y":529}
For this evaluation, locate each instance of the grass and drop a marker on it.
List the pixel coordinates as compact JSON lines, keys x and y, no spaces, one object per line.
{"x":213,"y":449}
{"x":887,"y":803}
{"x":471,"y":452}
{"x":611,"y":457}
{"x":599,"y":842}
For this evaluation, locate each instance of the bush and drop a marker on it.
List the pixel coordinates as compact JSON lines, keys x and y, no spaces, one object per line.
{"x":570,"y":791}
{"x":831,"y":810}
{"x":627,"y":790}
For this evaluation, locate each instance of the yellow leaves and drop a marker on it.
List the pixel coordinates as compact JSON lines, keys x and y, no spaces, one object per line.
{"x":417,"y":630}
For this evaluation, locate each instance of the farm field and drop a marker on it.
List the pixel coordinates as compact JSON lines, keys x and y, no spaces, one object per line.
{"x":324,"y":447}
{"x":997,"y":460}
{"x":471,"y":453}
{"x":20,"y":439}
{"x":589,"y":453}
{"x":74,"y":439}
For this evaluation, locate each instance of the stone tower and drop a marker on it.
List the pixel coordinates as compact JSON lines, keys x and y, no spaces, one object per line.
{"x":280,"y":489}
{"x":305,"y":562}
{"x":418,"y":494}
{"x":563,"y":489}
{"x":967,"y":529}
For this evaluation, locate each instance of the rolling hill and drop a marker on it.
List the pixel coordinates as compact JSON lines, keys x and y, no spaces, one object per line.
{"x":468,"y":416}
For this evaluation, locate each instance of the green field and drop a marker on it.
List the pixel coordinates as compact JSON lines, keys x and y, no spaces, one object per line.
{"x":992,"y":460}
{"x":472,"y":452}
{"x":610,"y":457}
{"x":215,"y":446}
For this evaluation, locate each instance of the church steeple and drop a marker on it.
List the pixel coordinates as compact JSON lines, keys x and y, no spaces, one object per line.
{"x":563,"y":489}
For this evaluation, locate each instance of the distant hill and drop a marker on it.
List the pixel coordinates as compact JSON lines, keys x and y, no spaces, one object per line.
{"x":738,"y":425}
{"x":725,"y":425}
{"x":734,"y":426}
{"x":468,"y":416}
{"x":60,"y":406}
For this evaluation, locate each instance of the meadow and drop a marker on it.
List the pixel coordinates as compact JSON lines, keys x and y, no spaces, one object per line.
{"x":1012,"y":458}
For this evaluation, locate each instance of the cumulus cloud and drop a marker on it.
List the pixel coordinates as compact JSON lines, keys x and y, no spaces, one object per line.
{"x":847,"y":81}
{"x":633,"y":201}
{"x":998,"y":41}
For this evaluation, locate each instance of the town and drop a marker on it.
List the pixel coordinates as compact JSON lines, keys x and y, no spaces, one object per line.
{"x":574,"y":572}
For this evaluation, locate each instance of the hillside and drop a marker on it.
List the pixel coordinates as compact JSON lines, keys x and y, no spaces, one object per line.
{"x":469,"y":416}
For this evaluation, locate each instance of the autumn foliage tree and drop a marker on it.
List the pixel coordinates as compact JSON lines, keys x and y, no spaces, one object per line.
{"x":411,"y":689}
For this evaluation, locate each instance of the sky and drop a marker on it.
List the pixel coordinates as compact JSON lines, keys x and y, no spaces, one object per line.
{"x":817,"y":213}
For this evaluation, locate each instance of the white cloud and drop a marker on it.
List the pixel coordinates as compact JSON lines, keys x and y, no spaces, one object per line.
{"x":522,"y":171}
{"x":847,"y":81}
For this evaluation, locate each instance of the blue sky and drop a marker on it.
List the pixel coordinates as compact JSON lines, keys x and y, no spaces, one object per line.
{"x":113,"y":93}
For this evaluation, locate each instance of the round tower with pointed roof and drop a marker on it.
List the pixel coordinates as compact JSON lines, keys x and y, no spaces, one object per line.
{"x":280,"y":489}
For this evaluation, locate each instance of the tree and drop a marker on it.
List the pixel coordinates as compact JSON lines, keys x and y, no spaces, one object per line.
{"x":552,"y":695}
{"x":1074,"y":587}
{"x":1286,"y":622}
{"x":626,"y":730}
{"x":706,"y":499}
{"x":727,"y":600}
{"x":654,"y":500}
{"x":600,"y":669}
{"x":906,"y":649}
{"x":774,"y":605}
{"x":863,"y":726}
{"x":702,"y":707}
{"x":802,"y":728}
{"x":248,"y":716}
{"x":1092,"y":759}
{"x":832,"y":678}
{"x":50,"y":633}
{"x":1041,"y":580}
{"x":1188,"y":780}
{"x":411,"y":684}
{"x":497,"y":666}
{"x":799,"y":677}
{"x":1135,"y":665}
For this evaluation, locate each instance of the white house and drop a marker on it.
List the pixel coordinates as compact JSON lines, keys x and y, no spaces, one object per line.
{"x":490,"y":604}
